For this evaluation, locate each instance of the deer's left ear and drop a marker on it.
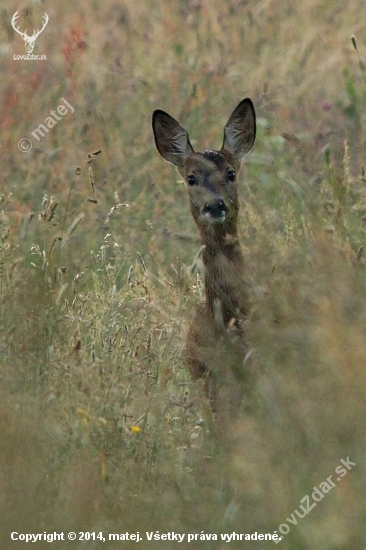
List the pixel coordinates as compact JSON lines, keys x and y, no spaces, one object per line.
{"x":171,"y":138}
{"x":240,"y":130}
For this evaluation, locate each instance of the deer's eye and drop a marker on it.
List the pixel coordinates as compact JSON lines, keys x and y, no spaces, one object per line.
{"x":230,"y":176}
{"x":191,"y":180}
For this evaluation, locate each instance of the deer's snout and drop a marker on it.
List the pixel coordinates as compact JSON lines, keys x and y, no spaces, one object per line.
{"x":215,"y":211}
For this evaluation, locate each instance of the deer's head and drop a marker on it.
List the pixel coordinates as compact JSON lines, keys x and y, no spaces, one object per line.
{"x":211,"y":175}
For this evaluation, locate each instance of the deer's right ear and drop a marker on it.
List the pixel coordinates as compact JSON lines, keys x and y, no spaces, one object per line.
{"x":171,"y":138}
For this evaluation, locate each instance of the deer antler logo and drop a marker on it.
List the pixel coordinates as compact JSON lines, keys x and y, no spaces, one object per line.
{"x":29,"y":40}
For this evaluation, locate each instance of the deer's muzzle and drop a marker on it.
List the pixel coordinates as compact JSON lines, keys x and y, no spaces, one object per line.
{"x":215,"y":212}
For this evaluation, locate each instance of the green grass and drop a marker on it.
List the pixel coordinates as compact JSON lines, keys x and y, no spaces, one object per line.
{"x":101,"y":428}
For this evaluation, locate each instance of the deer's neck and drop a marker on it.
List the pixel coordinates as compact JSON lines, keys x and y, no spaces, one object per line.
{"x":225,"y":287}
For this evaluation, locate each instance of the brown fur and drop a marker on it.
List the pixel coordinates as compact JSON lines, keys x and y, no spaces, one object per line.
{"x":216,"y":342}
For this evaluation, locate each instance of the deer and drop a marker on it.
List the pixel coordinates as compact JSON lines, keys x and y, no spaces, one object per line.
{"x":29,"y":40}
{"x":216,"y":347}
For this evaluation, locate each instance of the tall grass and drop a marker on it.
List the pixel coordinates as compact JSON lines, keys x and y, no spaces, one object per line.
{"x":101,"y":428}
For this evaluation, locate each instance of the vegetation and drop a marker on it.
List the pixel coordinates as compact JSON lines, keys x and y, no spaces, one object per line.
{"x":101,"y":428}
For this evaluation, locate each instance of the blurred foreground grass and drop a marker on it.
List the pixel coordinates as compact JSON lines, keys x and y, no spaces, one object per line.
{"x":101,"y":428}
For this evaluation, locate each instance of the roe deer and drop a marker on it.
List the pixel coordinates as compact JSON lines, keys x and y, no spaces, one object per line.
{"x":216,"y":343}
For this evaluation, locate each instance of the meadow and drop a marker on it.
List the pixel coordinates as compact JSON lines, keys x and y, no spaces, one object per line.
{"x":101,"y":427}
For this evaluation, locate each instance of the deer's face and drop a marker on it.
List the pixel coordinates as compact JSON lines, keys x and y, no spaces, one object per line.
{"x":212,"y":189}
{"x":210,"y":176}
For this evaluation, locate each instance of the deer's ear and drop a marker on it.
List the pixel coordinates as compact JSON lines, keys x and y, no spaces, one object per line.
{"x":171,"y":138}
{"x":240,"y":129}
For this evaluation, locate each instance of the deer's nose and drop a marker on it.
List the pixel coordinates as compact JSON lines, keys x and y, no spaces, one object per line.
{"x":215,"y":209}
